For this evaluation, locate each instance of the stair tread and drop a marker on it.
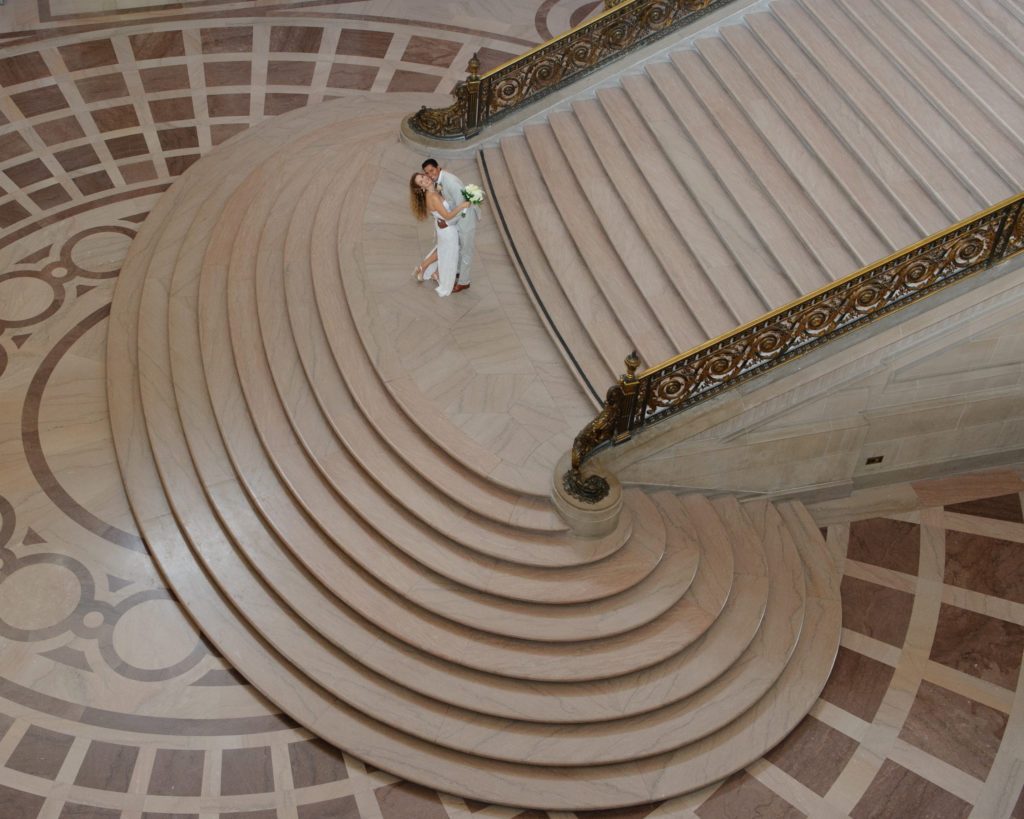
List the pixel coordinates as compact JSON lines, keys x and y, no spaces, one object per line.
{"x":560,"y":317}
{"x":911,"y":77}
{"x":872,"y":108}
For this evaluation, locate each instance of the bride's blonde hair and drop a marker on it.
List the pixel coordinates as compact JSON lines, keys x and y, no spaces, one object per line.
{"x":417,"y":198}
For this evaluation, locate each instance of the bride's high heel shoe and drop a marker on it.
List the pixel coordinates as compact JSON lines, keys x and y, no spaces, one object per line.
{"x":417,"y":272}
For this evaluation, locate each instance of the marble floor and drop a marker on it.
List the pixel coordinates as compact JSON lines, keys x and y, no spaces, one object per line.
{"x":111,"y":704}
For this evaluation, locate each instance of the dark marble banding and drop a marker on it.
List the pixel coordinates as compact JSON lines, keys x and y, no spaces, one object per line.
{"x":356,"y":77}
{"x":74,"y":159}
{"x":246,"y":770}
{"x":954,"y":728}
{"x":895,"y":791}
{"x":877,"y":611}
{"x":1001,"y":507}
{"x":541,"y":16}
{"x":28,"y":173}
{"x":92,"y":54}
{"x":235,"y":72}
{"x":177,"y":772}
{"x":34,"y":35}
{"x":314,"y":762}
{"x":892,"y":544}
{"x":979,"y":645}
{"x":164,"y":78}
{"x":103,"y":87}
{"x":414,"y":81}
{"x":858,"y":683}
{"x":170,"y":726}
{"x":107,"y":766}
{"x":82,"y":207}
{"x":13,"y":144}
{"x":33,"y":446}
{"x":742,"y":795}
{"x":60,"y":130}
{"x":814,"y":754}
{"x":342,"y":808}
{"x":985,"y":564}
{"x":21,"y":804}
{"x":431,"y":51}
{"x":404,"y":799}
{"x":40,"y":101}
{"x":22,"y":68}
{"x":360,"y":43}
{"x":74,"y":810}
{"x":40,"y":752}
{"x":11,"y":213}
{"x":156,"y":45}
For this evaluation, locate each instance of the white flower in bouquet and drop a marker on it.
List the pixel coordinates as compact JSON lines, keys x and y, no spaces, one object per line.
{"x":473,"y":194}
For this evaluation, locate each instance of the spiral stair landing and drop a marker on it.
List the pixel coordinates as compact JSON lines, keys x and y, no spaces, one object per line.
{"x":352,"y":553}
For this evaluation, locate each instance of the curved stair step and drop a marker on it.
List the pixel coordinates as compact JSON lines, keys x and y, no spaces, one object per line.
{"x":236,"y":477}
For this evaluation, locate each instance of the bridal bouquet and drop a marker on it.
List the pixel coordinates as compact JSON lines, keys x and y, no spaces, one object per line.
{"x":474,"y":194}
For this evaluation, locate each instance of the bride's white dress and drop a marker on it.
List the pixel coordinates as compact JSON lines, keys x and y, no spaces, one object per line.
{"x":447,"y":264}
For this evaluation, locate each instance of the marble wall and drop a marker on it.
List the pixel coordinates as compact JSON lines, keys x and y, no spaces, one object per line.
{"x":930,"y":390}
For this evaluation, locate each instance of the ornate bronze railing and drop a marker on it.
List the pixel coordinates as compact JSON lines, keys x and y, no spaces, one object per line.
{"x":623,"y":26}
{"x":975,"y":244}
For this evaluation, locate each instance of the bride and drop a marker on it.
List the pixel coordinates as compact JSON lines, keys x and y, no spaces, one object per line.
{"x":443,"y":261}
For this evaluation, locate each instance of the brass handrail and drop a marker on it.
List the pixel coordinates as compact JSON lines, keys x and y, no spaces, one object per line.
{"x":622,"y":27}
{"x":660,"y":392}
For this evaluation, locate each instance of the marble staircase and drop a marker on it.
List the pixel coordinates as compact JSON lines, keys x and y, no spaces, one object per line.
{"x":370,"y":568}
{"x":751,"y":166}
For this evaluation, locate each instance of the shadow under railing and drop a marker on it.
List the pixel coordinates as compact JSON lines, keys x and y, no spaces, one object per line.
{"x":638,"y":401}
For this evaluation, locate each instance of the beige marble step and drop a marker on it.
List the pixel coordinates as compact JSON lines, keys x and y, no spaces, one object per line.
{"x":802,"y":214}
{"x":353,"y":299}
{"x":608,"y":264}
{"x":713,"y":206}
{"x":952,"y":33}
{"x":791,"y":229}
{"x":908,"y":57}
{"x":394,"y":503}
{"x":717,"y":285}
{"x":791,"y":159}
{"x":789,"y":150}
{"x":876,"y":113}
{"x":624,"y":212}
{"x":785,"y":253}
{"x":219,"y":376}
{"x":371,"y":417}
{"x":550,"y":301}
{"x":1000,"y":24}
{"x":618,"y":136}
{"x":540,"y":211}
{"x":866,"y":147}
{"x":377,"y":554}
{"x":670,"y":705}
{"x":885,"y":214}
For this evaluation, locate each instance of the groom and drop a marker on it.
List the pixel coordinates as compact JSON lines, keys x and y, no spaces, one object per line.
{"x":450,"y":188}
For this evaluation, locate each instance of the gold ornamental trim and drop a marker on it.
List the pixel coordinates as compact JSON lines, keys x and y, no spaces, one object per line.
{"x":968,"y":247}
{"x":622,"y":27}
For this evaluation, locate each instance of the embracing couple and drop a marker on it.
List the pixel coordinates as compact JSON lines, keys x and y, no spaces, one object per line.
{"x":430,"y":193}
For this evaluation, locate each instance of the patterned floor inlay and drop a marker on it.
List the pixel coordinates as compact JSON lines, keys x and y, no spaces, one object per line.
{"x":111,"y":703}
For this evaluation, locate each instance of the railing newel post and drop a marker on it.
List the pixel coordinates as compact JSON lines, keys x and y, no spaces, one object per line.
{"x":473,"y":113}
{"x":622,"y":26}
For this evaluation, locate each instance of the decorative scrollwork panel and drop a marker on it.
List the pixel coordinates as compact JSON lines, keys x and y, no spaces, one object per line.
{"x":851,"y":303}
{"x":623,"y":27}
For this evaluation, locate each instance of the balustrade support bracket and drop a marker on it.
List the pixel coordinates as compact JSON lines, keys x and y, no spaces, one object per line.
{"x":590,"y":505}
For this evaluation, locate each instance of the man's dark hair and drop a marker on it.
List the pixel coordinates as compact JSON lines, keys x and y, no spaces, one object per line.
{"x":430,"y":162}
